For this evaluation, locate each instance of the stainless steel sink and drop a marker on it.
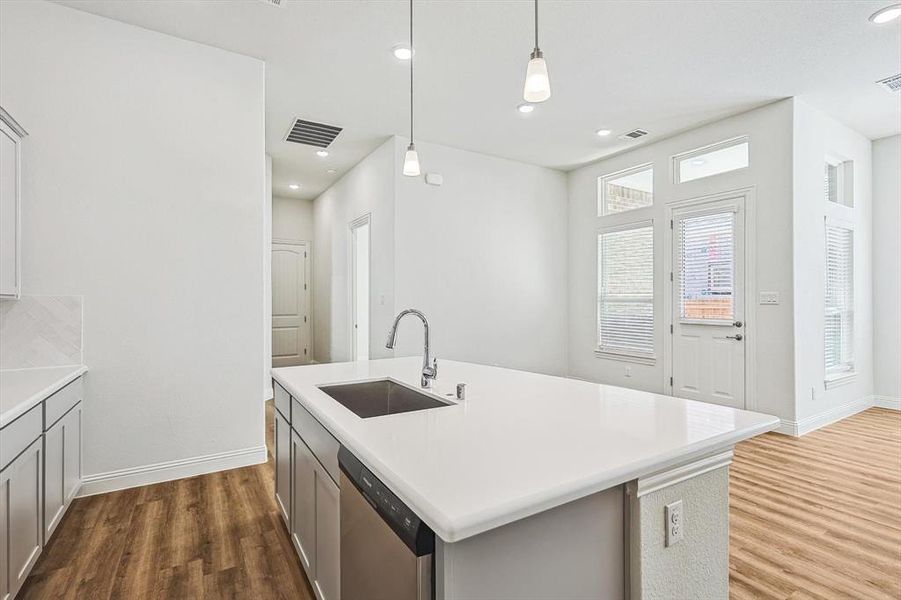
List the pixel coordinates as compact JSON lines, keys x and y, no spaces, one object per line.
{"x":379,"y":398}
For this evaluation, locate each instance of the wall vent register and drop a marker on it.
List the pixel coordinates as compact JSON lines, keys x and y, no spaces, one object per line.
{"x":891,"y":84}
{"x":312,"y":133}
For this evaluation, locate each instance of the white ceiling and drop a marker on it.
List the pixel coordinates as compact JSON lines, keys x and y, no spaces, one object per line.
{"x":661,"y":66}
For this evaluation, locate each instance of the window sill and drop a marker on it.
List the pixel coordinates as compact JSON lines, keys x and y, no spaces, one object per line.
{"x":839,"y":379}
{"x":641,"y":359}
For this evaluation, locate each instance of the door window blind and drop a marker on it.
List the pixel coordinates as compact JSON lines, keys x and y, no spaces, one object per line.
{"x":706,"y":266}
{"x":839,"y":317}
{"x":626,"y":291}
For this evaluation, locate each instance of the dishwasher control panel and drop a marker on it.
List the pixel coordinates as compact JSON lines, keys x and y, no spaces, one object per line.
{"x":418,"y":537}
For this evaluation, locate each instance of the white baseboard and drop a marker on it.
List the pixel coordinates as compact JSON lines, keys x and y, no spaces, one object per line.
{"x":167,"y":471}
{"x":827,"y":417}
{"x":887,"y":402}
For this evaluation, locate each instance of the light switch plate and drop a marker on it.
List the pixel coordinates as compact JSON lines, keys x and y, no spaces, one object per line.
{"x":675,"y":523}
{"x":770,"y":298}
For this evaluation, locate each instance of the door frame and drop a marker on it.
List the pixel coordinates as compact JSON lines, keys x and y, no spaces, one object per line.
{"x":365,"y":219}
{"x":747,"y":196}
{"x":307,"y":292}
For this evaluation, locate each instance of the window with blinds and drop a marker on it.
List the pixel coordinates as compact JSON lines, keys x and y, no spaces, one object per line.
{"x":839,"y":317}
{"x":707,"y":266}
{"x":626,"y":291}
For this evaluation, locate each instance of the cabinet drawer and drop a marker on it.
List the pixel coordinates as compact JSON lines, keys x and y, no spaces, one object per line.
{"x":317,"y":438}
{"x":59,"y":403}
{"x":282,"y":400}
{"x":18,"y":435}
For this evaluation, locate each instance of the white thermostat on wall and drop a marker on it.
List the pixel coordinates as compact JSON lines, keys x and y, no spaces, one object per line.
{"x":769,"y":297}
{"x":434,"y":178}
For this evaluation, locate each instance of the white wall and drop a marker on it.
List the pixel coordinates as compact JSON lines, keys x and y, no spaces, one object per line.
{"x":887,"y":268}
{"x":484,"y":256}
{"x":816,"y":136}
{"x":368,"y":188}
{"x":770,"y":174}
{"x":137,"y":198}
{"x":292,"y":219}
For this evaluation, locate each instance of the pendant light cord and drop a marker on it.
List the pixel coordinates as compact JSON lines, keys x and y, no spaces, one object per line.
{"x":412,"y":56}
{"x":536,"y":24}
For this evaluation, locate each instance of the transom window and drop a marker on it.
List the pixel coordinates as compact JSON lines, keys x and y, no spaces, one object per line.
{"x":626,"y":291}
{"x":626,"y":190}
{"x":729,"y":155}
{"x":838,"y":182}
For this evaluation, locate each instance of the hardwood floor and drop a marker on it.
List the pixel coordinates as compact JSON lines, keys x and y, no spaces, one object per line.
{"x":815,"y":517}
{"x":212,"y":536}
{"x":819,"y":516}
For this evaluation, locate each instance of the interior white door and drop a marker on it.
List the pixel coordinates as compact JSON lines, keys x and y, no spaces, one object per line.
{"x":359,"y":251}
{"x":290,"y":305}
{"x":708,"y":348}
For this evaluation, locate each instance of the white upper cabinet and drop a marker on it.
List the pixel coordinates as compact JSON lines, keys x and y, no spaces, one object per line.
{"x":11,"y":134}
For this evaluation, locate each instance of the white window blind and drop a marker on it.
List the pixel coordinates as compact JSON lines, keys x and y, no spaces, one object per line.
{"x":626,"y":291}
{"x":839,"y":318}
{"x":707,"y":266}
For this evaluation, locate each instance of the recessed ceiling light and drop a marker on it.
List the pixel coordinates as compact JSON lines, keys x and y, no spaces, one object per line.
{"x":402,"y":52}
{"x":525,"y":108}
{"x":603,"y":132}
{"x":331,"y":171}
{"x":322,"y":153}
{"x":294,"y":186}
{"x":884,"y":15}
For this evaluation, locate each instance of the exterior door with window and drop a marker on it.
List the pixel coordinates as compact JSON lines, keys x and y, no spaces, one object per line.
{"x":708,"y":346}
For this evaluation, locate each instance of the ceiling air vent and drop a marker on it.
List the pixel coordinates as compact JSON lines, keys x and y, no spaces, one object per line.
{"x":634,"y":134}
{"x":272,"y":2}
{"x":312,"y":134}
{"x":891,"y":84}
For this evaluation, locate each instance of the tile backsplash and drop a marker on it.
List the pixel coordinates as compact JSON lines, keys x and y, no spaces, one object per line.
{"x":40,"y":331}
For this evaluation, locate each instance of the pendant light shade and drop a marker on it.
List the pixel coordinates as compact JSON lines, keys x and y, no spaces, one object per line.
{"x":411,"y":158}
{"x":538,"y":84}
{"x":411,"y":161}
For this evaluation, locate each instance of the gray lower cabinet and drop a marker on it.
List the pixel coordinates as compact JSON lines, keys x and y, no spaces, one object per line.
{"x":306,"y":490}
{"x":21,"y":537}
{"x":283,"y":466}
{"x":303,"y":514}
{"x":328,"y":536}
{"x":62,"y":467}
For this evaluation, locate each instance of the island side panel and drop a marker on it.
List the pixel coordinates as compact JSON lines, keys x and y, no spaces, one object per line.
{"x":573,"y":551}
{"x":696,"y":567}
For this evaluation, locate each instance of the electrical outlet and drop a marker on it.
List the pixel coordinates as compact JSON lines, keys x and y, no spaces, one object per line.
{"x":675,"y":523}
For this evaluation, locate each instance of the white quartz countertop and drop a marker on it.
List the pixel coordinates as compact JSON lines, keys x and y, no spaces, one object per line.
{"x":519,"y":444}
{"x":22,"y":389}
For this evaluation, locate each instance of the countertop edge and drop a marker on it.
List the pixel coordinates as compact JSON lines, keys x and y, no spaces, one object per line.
{"x":31,"y":401}
{"x":455,"y":530}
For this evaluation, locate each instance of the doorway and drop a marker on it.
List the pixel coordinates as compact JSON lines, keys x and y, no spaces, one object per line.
{"x":707,"y":300}
{"x":359,"y":274}
{"x":291,"y":343}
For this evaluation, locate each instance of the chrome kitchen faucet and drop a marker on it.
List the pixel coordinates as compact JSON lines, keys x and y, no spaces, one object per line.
{"x":429,"y":367}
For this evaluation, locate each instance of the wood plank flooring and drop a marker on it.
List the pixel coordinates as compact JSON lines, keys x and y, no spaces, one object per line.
{"x":212,"y":536}
{"x":810,"y":518}
{"x":819,"y":516}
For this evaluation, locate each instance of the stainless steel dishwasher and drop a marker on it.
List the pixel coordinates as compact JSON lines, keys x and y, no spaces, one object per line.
{"x":386,"y":550}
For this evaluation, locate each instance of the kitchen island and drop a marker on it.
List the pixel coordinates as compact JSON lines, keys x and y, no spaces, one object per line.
{"x":538,"y":486}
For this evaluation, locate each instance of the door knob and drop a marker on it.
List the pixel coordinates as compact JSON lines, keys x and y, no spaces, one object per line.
{"x":737,"y":337}
{"x":738,"y":324}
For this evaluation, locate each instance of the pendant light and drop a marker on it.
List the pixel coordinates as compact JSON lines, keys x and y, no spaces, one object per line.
{"x":411,"y":159}
{"x":538,"y":85}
